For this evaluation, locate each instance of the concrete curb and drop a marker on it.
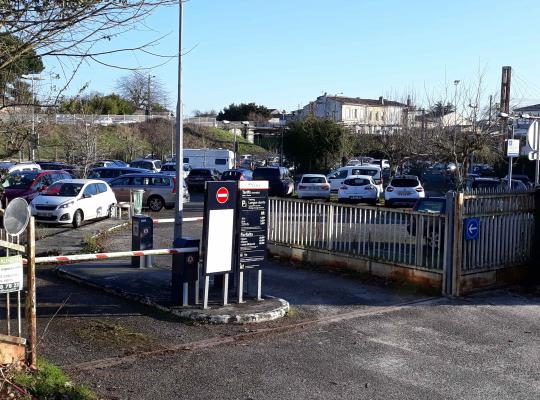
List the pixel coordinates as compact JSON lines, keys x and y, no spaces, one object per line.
{"x":194,"y":315}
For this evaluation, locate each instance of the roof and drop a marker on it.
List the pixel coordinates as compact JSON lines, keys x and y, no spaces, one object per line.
{"x":534,"y":107}
{"x":367,"y":102}
{"x":314,"y":176}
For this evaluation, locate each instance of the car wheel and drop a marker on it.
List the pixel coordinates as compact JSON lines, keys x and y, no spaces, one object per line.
{"x":77,"y":218}
{"x":155,"y":203}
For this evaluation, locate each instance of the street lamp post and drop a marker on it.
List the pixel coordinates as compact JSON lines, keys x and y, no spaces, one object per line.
{"x":227,"y":125}
{"x":35,"y":139}
{"x":456,"y":83}
{"x":179,"y":145}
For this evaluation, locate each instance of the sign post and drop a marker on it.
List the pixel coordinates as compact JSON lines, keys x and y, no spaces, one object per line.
{"x":252,"y":231}
{"x":472,"y":228}
{"x":533,"y":139}
{"x":218,"y":233}
{"x":511,"y":152}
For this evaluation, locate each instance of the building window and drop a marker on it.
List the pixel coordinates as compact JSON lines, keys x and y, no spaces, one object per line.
{"x":355,"y":113}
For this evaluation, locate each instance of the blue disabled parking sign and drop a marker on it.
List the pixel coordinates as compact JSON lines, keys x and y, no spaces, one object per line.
{"x":472,"y":228}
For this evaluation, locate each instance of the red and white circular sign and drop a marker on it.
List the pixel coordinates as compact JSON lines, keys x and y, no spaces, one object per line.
{"x":222,"y":195}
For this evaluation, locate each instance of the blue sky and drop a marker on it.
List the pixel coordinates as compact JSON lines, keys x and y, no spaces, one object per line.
{"x":283,"y":53}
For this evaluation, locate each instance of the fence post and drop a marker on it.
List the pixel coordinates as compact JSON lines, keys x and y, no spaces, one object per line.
{"x":448,"y":243}
{"x":458,"y":244}
{"x":330,"y":227}
{"x":31,"y":357}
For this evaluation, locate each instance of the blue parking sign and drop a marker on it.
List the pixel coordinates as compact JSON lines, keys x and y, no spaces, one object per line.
{"x":472,"y":228}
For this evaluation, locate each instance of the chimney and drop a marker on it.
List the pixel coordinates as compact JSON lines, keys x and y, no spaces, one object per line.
{"x":409,"y":101}
{"x":381,"y":100}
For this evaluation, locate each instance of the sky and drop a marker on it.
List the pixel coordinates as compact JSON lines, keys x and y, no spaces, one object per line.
{"x":285,"y":53}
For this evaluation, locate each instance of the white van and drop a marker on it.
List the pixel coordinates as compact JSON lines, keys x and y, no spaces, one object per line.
{"x":219,"y":159}
{"x":336,"y":178}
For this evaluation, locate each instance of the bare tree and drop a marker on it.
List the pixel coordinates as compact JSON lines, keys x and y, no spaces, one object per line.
{"x":68,"y":28}
{"x":142,"y":90}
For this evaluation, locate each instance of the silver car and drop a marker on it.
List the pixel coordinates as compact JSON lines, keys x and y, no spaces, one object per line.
{"x":159,"y":189}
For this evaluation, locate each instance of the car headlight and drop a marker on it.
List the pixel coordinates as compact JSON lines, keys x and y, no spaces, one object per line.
{"x":66,"y":205}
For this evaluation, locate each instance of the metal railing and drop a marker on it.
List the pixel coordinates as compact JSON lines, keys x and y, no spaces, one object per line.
{"x":402,"y":237}
{"x":506,"y":236}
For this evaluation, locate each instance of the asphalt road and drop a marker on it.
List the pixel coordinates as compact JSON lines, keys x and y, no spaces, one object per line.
{"x":345,"y":339}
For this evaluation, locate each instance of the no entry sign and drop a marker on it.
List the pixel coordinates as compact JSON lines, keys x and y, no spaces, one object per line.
{"x":222,"y":195}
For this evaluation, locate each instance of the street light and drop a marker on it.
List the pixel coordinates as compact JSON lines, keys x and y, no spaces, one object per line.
{"x":149,"y":103}
{"x":33,"y":77}
{"x":179,"y":145}
{"x":456,"y":83}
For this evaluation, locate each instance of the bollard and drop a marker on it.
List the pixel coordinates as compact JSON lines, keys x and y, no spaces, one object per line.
{"x":142,"y":238}
{"x":185,"y":274}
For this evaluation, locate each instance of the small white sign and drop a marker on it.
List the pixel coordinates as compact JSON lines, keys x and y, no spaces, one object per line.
{"x":253,"y":185}
{"x":513,"y":148}
{"x":11,"y":274}
{"x":220,"y":241}
{"x":533,"y":134}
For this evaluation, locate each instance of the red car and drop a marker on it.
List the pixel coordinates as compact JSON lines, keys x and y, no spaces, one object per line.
{"x":28,"y":184}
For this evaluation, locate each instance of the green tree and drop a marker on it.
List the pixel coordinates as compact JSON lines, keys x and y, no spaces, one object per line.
{"x":439,"y":109}
{"x":13,"y":90}
{"x":315,"y":144}
{"x":97,"y":104}
{"x":244,"y":112}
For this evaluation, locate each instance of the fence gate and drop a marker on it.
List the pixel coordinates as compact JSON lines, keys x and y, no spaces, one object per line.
{"x":16,"y":345}
{"x":494,"y":234}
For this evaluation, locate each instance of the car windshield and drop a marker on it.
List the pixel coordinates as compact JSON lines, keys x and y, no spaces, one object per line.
{"x":431,"y":206}
{"x":20,"y":180}
{"x":199,"y":172}
{"x":357,"y":182}
{"x":403,"y":182}
{"x":313,"y":179}
{"x":235,"y":175}
{"x":65,"y":189}
{"x":266,"y":173}
{"x":362,"y":171}
{"x":169,"y":167}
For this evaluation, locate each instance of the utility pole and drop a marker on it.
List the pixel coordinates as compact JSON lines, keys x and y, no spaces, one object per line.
{"x":179,"y":145}
{"x":505,"y":96}
{"x":490,"y":108}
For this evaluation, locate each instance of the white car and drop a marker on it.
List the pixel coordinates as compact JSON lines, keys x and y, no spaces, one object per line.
{"x":358,"y":188}
{"x":72,"y":201}
{"x":405,"y":190}
{"x":313,"y":186}
{"x":337,"y":177}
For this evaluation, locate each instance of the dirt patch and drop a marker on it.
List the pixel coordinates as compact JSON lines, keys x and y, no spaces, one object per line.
{"x":109,"y":333}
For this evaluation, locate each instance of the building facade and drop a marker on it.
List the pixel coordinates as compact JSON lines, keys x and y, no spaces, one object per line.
{"x":362,"y":115}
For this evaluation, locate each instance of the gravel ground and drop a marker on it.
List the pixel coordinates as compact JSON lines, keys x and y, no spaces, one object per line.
{"x":344,"y":339}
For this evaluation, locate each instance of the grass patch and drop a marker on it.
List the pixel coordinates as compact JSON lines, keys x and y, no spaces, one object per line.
{"x":91,"y":245}
{"x":48,"y":382}
{"x":293,"y":312}
{"x":106,"y":333}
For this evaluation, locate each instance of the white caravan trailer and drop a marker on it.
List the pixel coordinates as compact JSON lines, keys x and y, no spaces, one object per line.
{"x":220,"y":159}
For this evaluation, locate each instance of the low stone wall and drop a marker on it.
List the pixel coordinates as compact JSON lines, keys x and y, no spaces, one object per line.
{"x":478,"y":280}
{"x":394,"y":272}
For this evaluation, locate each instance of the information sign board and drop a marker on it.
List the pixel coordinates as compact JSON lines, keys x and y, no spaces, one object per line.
{"x":11,"y":274}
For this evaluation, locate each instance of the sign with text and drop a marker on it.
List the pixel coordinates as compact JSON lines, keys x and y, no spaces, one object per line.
{"x":252,"y":223}
{"x":11,"y":274}
{"x":219,"y":227}
{"x":513,"y":148}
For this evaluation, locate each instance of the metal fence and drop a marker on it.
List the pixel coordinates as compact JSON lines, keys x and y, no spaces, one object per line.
{"x":403,"y":237}
{"x":506,"y":236}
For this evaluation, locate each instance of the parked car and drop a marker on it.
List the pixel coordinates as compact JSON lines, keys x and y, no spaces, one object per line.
{"x":482,"y":183}
{"x":383,"y":163}
{"x":146,"y":163}
{"x":279,"y":180}
{"x":359,"y":188}
{"x":404,"y":190}
{"x":430,"y":206}
{"x":337,"y":177}
{"x":103,"y":163}
{"x":313,"y":186}
{"x":9,"y":166}
{"x":516,"y":184}
{"x":238,"y":174}
{"x":199,"y":176}
{"x":28,"y":184}
{"x":169,"y":168}
{"x":72,"y":201}
{"x":57,"y":166}
{"x":159,"y":189}
{"x":523,"y":178}
{"x":107,"y":174}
